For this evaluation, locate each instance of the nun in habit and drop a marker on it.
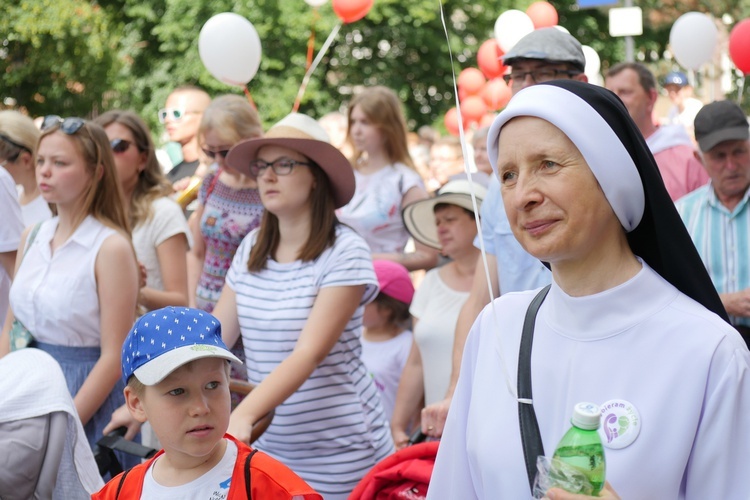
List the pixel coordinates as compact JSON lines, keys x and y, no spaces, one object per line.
{"x":631,"y":321}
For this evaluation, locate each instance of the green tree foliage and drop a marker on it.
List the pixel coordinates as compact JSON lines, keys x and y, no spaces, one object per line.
{"x":79,"y":57}
{"x":56,"y":55}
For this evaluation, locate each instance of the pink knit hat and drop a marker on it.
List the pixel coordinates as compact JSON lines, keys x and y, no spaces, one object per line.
{"x":394,"y":280}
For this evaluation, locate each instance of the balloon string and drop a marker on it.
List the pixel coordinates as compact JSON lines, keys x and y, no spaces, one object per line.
{"x":501,"y":351}
{"x":739,"y":91}
{"x":311,"y":40}
{"x":314,"y":65}
{"x":249,"y":97}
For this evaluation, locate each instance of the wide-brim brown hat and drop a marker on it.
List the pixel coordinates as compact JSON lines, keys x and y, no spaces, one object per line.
{"x":419,"y":217}
{"x":306,"y":136}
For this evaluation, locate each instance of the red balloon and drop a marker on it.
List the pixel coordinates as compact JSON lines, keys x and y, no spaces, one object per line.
{"x":351,"y":10}
{"x":473,"y":109}
{"x":488,"y":59}
{"x":739,"y":46}
{"x":542,"y":14}
{"x":496,"y":94}
{"x":487,"y":120}
{"x":451,"y":121}
{"x":471,"y":81}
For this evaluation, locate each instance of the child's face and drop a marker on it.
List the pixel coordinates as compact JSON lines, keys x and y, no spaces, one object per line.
{"x":372,"y":316}
{"x":189,"y":410}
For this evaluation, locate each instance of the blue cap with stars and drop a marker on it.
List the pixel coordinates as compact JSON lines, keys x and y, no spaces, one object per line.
{"x":163,"y":340}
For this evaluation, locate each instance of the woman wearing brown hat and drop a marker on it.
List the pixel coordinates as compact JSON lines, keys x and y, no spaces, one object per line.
{"x":296,"y":292}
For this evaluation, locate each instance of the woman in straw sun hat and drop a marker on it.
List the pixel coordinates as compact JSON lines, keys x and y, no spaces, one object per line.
{"x":296,"y":293}
{"x":447,"y":223}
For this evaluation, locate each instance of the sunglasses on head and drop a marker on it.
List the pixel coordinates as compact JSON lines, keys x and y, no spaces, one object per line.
{"x":67,"y":125}
{"x":212,"y":154}
{"x":120,"y":145}
{"x":174,"y":114}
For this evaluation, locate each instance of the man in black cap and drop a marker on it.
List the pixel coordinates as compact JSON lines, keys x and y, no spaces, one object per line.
{"x":542,"y":55}
{"x":717,"y":215}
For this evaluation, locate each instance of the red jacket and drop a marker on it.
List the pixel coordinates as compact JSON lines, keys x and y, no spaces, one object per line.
{"x":403,"y":475}
{"x":269,"y":479}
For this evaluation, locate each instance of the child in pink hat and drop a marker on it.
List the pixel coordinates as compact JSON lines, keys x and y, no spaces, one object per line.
{"x":387,"y":338}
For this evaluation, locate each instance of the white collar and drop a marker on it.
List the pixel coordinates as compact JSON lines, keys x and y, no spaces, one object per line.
{"x":610,"y":312}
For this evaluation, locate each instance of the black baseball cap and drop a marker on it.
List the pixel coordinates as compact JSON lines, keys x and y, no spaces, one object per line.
{"x":718,"y":122}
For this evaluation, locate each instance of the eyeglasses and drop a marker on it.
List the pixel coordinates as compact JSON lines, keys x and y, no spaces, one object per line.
{"x":175,"y":113}
{"x":213,"y":154}
{"x":538,"y":75}
{"x":68,"y":125}
{"x":120,"y":145}
{"x":14,"y":144}
{"x":282,"y":166}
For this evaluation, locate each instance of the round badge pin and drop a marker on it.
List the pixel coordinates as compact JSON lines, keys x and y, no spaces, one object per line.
{"x":620,"y":424}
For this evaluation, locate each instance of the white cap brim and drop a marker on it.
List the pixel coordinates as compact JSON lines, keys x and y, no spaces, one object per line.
{"x":157,"y":369}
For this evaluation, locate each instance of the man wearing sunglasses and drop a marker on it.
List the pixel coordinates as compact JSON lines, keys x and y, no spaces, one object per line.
{"x":181,"y":117}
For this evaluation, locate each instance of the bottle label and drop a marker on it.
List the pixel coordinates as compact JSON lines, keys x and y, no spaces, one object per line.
{"x":621,"y":423}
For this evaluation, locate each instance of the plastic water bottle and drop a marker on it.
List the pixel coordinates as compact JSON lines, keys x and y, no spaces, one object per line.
{"x":581,"y":448}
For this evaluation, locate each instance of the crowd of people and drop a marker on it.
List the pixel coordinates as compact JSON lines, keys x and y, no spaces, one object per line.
{"x":346,"y":269}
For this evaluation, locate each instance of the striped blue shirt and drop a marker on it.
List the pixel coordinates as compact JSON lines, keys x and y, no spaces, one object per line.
{"x":722,"y":239}
{"x":332,"y":430}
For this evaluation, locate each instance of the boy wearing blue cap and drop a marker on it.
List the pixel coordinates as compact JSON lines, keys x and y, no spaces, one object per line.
{"x":176,"y":368}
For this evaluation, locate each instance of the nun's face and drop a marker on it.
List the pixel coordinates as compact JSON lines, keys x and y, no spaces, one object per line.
{"x":555,"y":207}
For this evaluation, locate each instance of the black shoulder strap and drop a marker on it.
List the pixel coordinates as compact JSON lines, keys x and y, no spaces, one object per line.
{"x":530,"y":436}
{"x":247,"y":473}
{"x":122,"y":481}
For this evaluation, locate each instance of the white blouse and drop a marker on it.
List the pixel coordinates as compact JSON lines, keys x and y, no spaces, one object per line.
{"x":55,"y":295}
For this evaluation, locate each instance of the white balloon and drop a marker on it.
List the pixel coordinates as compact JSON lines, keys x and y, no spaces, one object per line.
{"x":510,"y":27}
{"x":593,"y":62}
{"x":562,"y":28}
{"x":229,"y":47}
{"x":315,"y":3}
{"x":693,"y":38}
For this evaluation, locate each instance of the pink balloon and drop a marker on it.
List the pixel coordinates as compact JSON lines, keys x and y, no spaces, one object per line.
{"x":451,"y":121}
{"x":471,"y":81}
{"x":496,"y":94}
{"x":542,"y":14}
{"x":488,"y":59}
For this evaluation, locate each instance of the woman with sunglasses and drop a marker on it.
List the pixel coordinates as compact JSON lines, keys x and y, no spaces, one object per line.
{"x":76,"y":285}
{"x":296,"y":294}
{"x":160,"y":231}
{"x":229,"y":205}
{"x":18,"y":140}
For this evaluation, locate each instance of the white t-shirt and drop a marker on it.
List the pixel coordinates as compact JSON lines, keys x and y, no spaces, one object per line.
{"x":10,"y":231}
{"x":55,"y":295}
{"x":37,"y":210}
{"x":332,"y":429}
{"x":213,"y":485}
{"x":675,"y":377}
{"x":436,"y":306}
{"x":375,"y":209}
{"x":167,"y":220}
{"x":385,"y":362}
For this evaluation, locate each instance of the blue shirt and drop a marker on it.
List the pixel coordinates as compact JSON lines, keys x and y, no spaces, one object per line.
{"x":722,"y":239}
{"x":517,"y":270}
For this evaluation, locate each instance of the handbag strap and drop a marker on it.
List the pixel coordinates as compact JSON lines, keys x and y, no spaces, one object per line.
{"x":32,"y":237}
{"x":530,"y":436}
